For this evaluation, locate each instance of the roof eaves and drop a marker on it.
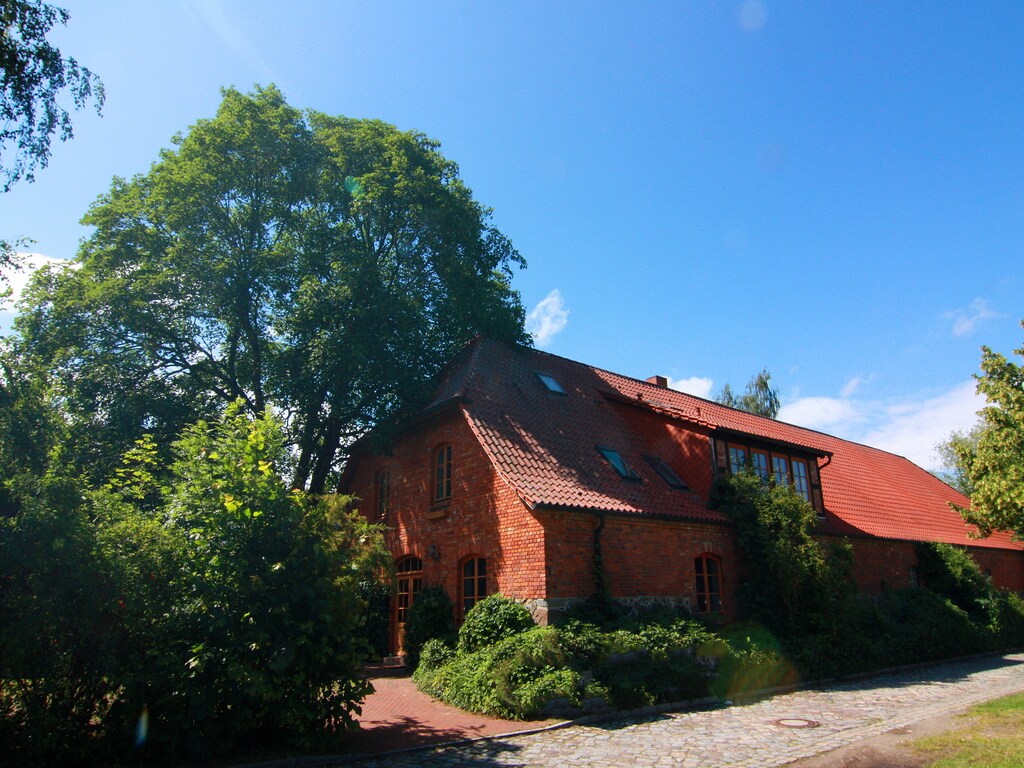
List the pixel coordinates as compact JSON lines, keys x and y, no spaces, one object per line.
{"x":680,"y":518}
{"x":728,"y":431}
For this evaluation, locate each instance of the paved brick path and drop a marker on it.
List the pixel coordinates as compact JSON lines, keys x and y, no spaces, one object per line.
{"x":398,"y":716}
{"x":745,"y":735}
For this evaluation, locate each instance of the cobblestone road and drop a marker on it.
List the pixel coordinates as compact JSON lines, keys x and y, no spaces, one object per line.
{"x":747,"y":735}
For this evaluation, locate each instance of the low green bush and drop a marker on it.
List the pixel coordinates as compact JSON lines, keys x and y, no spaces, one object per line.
{"x":431,"y":616}
{"x":512,"y":678}
{"x":644,"y":662}
{"x":492,"y":619}
{"x":435,"y":654}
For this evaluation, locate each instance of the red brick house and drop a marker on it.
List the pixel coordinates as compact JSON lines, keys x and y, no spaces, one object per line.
{"x":526,"y":464}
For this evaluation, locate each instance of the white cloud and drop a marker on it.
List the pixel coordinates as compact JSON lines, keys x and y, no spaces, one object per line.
{"x":851,"y":386}
{"x":965,"y":321}
{"x":547,"y":319}
{"x":828,"y":414}
{"x":913,"y":429}
{"x":18,"y":279}
{"x":695,"y":385}
{"x":909,"y":427}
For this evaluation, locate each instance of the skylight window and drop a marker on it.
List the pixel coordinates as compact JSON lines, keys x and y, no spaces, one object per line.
{"x":667,"y":473}
{"x":618,"y":463}
{"x":551,"y":383}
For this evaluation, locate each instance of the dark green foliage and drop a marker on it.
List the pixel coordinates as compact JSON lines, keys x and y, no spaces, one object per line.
{"x":435,"y":653}
{"x":512,"y":677}
{"x":322,"y":266}
{"x":61,"y":621}
{"x":431,"y":616}
{"x":222,"y":605}
{"x":797,"y":585}
{"x":640,"y":662}
{"x":952,"y":572}
{"x":375,"y":594}
{"x":492,"y":619}
{"x":751,"y":659}
{"x":33,"y":76}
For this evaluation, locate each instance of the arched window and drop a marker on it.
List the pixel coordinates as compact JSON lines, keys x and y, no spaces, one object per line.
{"x":709,"y":583}
{"x":442,"y":473}
{"x":472,"y":582}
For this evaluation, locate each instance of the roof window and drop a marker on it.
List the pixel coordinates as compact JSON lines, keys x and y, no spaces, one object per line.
{"x":667,"y":473}
{"x":618,"y":463}
{"x":551,"y":383}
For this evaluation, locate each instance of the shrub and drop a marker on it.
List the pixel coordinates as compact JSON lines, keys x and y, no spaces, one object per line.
{"x":375,"y":629}
{"x":492,"y":619}
{"x":430,"y":616}
{"x":434,"y":654}
{"x":802,"y":587}
{"x":513,"y":677}
{"x":951,"y":572}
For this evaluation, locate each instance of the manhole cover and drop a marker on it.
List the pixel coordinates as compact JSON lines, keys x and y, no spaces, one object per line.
{"x":796,"y":722}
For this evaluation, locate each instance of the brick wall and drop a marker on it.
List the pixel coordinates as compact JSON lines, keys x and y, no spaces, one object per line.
{"x":643,"y":558}
{"x":483,"y":518}
{"x":1007,"y":568}
{"x":878,"y":560}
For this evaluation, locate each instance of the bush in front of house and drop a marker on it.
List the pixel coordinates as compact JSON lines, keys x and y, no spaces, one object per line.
{"x":431,"y":616}
{"x":512,"y":677}
{"x":492,"y":619}
{"x":635,"y":663}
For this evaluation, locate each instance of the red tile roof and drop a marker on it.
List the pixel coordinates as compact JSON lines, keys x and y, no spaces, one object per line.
{"x":544,"y":445}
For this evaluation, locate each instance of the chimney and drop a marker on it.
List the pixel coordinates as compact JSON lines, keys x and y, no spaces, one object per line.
{"x":658,"y":381}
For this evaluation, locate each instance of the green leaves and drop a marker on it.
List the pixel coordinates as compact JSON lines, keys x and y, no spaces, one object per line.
{"x":800,"y":586}
{"x":218,"y":599}
{"x":321,"y":266}
{"x":34,"y":76}
{"x":994,"y":466}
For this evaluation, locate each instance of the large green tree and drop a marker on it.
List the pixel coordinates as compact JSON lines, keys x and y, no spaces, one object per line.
{"x":323,"y":267}
{"x":33,"y":75}
{"x":760,"y":396}
{"x":994,"y":467}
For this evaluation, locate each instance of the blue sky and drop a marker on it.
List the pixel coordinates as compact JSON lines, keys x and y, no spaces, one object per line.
{"x":834,"y":191}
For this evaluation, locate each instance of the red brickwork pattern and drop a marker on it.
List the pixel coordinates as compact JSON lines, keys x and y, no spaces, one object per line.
{"x":483,"y":518}
{"x":642,"y":557}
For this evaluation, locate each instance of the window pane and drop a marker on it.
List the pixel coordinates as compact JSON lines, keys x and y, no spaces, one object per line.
{"x":443,"y":473}
{"x":800,"y":479}
{"x":708,"y":584}
{"x":761,"y":464}
{"x":551,"y":383}
{"x":737,"y":459}
{"x":618,"y":463}
{"x":781,"y":467}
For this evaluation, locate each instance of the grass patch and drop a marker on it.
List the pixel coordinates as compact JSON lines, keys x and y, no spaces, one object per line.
{"x":992,"y":737}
